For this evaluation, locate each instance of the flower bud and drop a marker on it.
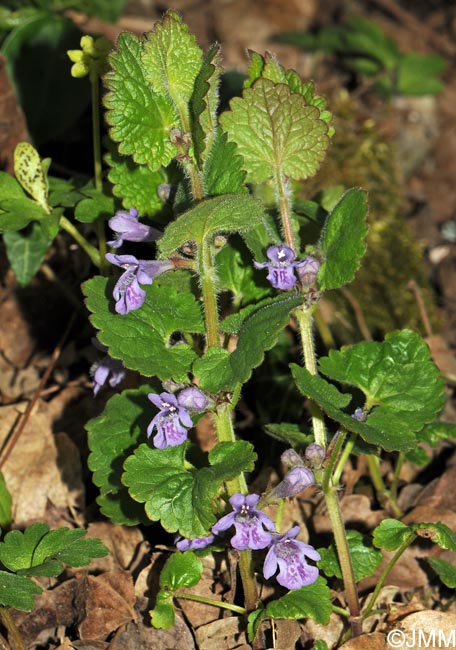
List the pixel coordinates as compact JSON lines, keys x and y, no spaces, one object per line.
{"x":308,"y":271}
{"x":294,"y":482}
{"x":291,"y":458}
{"x":193,"y":399}
{"x":315,"y":454}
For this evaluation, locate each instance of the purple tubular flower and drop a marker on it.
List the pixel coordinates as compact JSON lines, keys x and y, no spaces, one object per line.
{"x":183,"y":544}
{"x":289,"y":555}
{"x":105,"y":368}
{"x":171,"y":421}
{"x":294,"y":482}
{"x":193,"y":399}
{"x":127,"y":292}
{"x":281,"y":267}
{"x":248,"y":522}
{"x":127,"y":228}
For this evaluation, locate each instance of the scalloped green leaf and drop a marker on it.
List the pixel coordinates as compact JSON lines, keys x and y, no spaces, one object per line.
{"x":181,"y":570}
{"x":17,"y":591}
{"x":258,"y":333}
{"x":30,"y":174}
{"x":390,"y":534}
{"x":276,"y":132}
{"x":445,"y":571}
{"x":342,"y":240}
{"x":112,"y":437}
{"x":397,"y":375}
{"x":163,"y":616}
{"x":203,"y":105}
{"x":313,"y":601}
{"x":289,"y":433}
{"x":365,"y":558}
{"x":183,"y":499}
{"x":268,"y":67}
{"x":438,"y":533}
{"x":388,"y":431}
{"x":221,"y":214}
{"x":97,"y":205}
{"x":223,"y":173}
{"x":137,"y":185}
{"x":142,"y":338}
{"x":140,"y":119}
{"x":39,"y":551}
{"x":171,"y":60}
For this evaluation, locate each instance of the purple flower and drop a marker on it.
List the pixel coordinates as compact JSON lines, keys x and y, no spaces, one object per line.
{"x":193,"y":399}
{"x":294,"y":482}
{"x":127,"y":292}
{"x":281,"y":267}
{"x":105,"y":368}
{"x":289,"y":555}
{"x":248,"y":522}
{"x":193,"y":544}
{"x":127,"y":227}
{"x":307,"y":271}
{"x":168,"y":421}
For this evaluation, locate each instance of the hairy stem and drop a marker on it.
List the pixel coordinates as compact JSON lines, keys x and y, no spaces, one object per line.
{"x":207,"y":274}
{"x":343,"y":458}
{"x":283,"y":199}
{"x":304,"y":318}
{"x":91,"y":251}
{"x":381,"y":581}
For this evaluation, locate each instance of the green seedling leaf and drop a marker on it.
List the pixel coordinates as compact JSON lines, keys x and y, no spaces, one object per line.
{"x":183,"y":499}
{"x":390,"y":534}
{"x":445,"y":571}
{"x":181,"y":570}
{"x":29,"y":172}
{"x":320,"y":644}
{"x":343,"y":240}
{"x":365,"y":558}
{"x":140,"y":119}
{"x":223,"y":173}
{"x":276,"y":132}
{"x":203,"y":105}
{"x":171,"y":60}
{"x":6,"y":516}
{"x":398,"y":376}
{"x":434,"y":432}
{"x":9,"y":187}
{"x":17,"y":591}
{"x":257,"y":334}
{"x":313,"y":601}
{"x":136,"y":185}
{"x":26,"y":251}
{"x":142,"y":338}
{"x":64,"y":193}
{"x":437,"y":533}
{"x":17,"y":213}
{"x":222,"y":214}
{"x":163,"y":615}
{"x":95,"y":206}
{"x":40,"y":552}
{"x":112,"y":437}
{"x":391,"y":433}
{"x":417,"y":74}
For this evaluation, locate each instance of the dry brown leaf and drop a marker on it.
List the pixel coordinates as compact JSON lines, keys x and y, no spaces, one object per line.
{"x":373,"y":641}
{"x":198,"y":613}
{"x":356,"y":512}
{"x":330,"y":633}
{"x":124,"y":544}
{"x":223,"y":633}
{"x":109,"y":603}
{"x":12,"y":119}
{"x":42,"y":466}
{"x":141,"y":636}
{"x":426,"y":629}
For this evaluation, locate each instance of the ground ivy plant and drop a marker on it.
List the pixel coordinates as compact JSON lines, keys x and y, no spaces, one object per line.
{"x":185,"y":233}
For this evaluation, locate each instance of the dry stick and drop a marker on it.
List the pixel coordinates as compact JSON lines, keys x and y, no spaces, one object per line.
{"x":9,"y":446}
{"x":413,"y":286}
{"x":361,"y":321}
{"x":440,"y":42}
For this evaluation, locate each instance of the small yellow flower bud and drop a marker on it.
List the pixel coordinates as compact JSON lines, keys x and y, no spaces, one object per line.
{"x":79,"y":70}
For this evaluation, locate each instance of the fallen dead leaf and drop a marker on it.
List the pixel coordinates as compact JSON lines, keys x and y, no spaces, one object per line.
{"x":109,"y":603}
{"x":374,"y":641}
{"x":223,"y":633}
{"x":427,"y":629}
{"x":141,"y":636}
{"x":124,"y":544}
{"x":330,"y":633}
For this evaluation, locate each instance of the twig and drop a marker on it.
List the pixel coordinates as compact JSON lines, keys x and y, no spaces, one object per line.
{"x":361,"y":321}
{"x":413,"y":286}
{"x":11,"y":443}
